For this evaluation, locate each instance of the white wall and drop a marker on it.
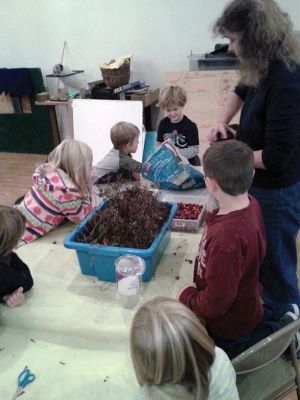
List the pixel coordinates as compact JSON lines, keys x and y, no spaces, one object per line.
{"x":160,"y":33}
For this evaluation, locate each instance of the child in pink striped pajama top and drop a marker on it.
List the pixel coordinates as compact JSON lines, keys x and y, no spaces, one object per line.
{"x":61,"y":189}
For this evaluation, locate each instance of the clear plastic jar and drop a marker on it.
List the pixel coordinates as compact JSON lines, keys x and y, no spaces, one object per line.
{"x":129,"y":271}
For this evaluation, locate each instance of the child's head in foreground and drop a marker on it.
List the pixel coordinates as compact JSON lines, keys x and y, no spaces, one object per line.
{"x":75,"y":158}
{"x":12,"y":225}
{"x":170,"y":345}
{"x":125,"y":136}
{"x":231,"y":165}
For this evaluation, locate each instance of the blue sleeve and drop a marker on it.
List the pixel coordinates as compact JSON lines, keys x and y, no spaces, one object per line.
{"x":192,"y":137}
{"x":14,"y":275}
{"x":282,"y":131}
{"x":241,"y":91}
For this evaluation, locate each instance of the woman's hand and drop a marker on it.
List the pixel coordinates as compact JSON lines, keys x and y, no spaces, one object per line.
{"x":219,"y":132}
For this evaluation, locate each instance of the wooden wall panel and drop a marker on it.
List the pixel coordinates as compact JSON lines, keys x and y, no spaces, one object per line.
{"x":207,"y":92}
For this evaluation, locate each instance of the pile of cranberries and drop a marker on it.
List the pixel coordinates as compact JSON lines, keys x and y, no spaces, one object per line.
{"x":188,"y":211}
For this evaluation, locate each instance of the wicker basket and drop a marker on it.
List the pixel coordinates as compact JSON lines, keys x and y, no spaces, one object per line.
{"x":114,"y":78}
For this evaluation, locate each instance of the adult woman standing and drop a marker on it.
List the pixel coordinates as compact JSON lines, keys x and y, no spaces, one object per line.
{"x":261,"y":36}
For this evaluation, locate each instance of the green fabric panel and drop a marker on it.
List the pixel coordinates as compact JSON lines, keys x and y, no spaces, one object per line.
{"x":28,"y":133}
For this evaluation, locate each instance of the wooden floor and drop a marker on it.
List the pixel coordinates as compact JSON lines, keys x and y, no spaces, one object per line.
{"x":15,"y":180}
{"x":16,"y":174}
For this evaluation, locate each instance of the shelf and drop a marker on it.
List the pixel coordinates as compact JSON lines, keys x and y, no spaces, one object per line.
{"x":74,"y":72}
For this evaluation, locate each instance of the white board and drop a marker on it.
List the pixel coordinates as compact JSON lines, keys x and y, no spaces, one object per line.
{"x":93,"y":120}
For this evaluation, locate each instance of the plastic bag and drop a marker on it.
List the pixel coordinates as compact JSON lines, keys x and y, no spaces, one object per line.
{"x":168,"y":168}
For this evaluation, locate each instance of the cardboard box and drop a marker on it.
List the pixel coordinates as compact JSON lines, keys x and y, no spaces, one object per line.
{"x":148,"y":99}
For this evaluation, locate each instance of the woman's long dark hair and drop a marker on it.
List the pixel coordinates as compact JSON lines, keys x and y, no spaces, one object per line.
{"x":265,"y":34}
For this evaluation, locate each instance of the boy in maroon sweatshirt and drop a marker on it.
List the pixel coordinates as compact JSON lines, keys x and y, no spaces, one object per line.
{"x":226,"y":272}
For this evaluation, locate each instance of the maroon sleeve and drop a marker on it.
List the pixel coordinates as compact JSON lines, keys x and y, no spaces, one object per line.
{"x":222,"y":283}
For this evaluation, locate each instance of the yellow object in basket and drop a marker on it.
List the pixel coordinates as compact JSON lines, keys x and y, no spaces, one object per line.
{"x":115,"y":64}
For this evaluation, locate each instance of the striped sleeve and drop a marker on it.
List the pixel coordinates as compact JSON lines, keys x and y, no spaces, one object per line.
{"x":75,"y":208}
{"x":71,"y":202}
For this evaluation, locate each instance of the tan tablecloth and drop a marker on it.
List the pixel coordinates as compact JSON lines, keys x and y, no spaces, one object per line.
{"x":70,"y":330}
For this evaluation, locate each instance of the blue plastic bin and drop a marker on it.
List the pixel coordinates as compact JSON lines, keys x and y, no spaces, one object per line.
{"x":99,"y":260}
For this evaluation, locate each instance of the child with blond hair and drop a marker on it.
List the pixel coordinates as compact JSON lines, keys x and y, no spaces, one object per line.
{"x":15,"y":277}
{"x":118,"y":162}
{"x":174,"y":358}
{"x":176,"y":126}
{"x":61,"y":189}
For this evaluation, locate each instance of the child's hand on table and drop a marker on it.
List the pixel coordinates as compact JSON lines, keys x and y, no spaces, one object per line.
{"x":136,"y":176}
{"x":181,"y":291}
{"x":15,"y":298}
